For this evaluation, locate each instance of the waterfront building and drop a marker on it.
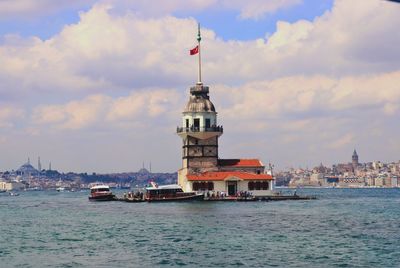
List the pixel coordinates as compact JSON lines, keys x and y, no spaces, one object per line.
{"x":380,"y":181}
{"x":202,"y":169}
{"x":394,"y":181}
{"x":11,"y":185}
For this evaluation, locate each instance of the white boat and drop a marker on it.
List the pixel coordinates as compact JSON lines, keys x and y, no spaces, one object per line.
{"x":172,"y":192}
{"x":60,"y":189}
{"x":101,"y":193}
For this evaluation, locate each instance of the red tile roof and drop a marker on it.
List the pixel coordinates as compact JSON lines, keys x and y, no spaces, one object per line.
{"x":223,"y":175}
{"x":240,"y":162}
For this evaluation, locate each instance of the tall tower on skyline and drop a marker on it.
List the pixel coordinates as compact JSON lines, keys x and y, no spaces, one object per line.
{"x":199,"y":130}
{"x":354,"y":159}
{"x":202,"y":169}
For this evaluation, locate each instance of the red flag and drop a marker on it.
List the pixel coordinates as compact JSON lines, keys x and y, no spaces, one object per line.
{"x":194,"y":51}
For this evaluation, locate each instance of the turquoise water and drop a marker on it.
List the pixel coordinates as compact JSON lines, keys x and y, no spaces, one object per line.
{"x":343,"y":228}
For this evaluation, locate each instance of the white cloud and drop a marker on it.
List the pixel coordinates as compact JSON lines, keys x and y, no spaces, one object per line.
{"x":111,"y":53}
{"x":8,"y":116}
{"x":343,"y":141}
{"x":328,"y":82}
{"x":102,"y":111}
{"x":299,"y":95}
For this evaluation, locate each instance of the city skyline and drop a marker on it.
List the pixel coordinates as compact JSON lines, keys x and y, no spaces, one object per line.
{"x":102,"y":88}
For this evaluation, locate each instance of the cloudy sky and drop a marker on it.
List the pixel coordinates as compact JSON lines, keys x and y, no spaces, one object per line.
{"x":99,"y":86}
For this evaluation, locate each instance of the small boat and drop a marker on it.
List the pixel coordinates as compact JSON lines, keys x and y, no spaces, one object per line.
{"x":101,"y":193}
{"x":60,"y":189}
{"x":13,"y":194}
{"x":172,"y":192}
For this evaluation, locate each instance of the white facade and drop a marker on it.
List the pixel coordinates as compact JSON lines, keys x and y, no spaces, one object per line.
{"x":11,"y":185}
{"x":238,"y":184}
{"x":188,"y":119}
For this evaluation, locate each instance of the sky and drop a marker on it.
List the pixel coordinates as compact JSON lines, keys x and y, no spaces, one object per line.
{"x":100,"y":85}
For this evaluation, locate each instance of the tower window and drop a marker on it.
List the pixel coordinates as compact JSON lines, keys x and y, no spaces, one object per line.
{"x":196,"y":123}
{"x":187,"y":123}
{"x":208,"y":123}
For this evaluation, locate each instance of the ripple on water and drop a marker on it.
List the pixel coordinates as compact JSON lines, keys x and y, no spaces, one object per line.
{"x":343,"y":228}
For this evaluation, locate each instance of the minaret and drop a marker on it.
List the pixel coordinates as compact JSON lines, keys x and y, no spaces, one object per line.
{"x":39,"y":165}
{"x":199,"y":131}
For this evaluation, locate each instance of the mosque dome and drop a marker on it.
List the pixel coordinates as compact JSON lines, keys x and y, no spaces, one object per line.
{"x":27,"y":168}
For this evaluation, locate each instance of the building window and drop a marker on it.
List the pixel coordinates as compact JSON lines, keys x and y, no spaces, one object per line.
{"x":208,"y":123}
{"x":196,"y":124}
{"x":251,"y":186}
{"x":210,"y":186}
{"x":264,"y":185}
{"x":203,"y":186}
{"x":187,"y":123}
{"x":258,"y":185}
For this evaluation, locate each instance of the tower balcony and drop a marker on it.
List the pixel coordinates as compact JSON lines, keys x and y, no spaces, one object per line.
{"x":200,"y":132}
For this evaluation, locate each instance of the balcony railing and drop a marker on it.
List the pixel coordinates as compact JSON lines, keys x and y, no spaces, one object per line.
{"x":200,"y":129}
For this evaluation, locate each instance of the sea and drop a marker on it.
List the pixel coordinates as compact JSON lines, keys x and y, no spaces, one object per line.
{"x":341,"y":228}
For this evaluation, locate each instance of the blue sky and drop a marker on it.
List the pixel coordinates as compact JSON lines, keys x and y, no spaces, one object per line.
{"x":99,"y":85}
{"x":226,"y":23}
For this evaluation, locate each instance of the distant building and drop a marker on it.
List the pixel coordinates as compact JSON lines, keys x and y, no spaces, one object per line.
{"x":27,"y":170}
{"x":11,"y":185}
{"x":354,"y":159}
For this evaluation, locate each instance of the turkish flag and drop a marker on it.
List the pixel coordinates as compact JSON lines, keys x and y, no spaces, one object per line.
{"x":194,"y":51}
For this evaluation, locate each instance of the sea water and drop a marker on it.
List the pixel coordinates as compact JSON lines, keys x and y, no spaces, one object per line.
{"x":342,"y":228}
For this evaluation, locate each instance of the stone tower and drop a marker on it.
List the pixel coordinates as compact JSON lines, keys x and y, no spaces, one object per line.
{"x":354,"y":159}
{"x":199,"y":130}
{"x":199,"y":133}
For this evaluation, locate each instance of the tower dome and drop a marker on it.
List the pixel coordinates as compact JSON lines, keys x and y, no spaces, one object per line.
{"x":199,"y":100}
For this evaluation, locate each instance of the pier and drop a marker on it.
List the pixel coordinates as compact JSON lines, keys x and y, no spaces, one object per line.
{"x":228,"y":199}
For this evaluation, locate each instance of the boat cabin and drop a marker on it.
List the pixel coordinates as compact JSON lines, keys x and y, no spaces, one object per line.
{"x":100,"y":188}
{"x":163,"y":190}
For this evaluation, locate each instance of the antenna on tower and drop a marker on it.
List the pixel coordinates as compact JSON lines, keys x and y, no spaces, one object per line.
{"x":198,"y":40}
{"x":195,"y":51}
{"x":150,"y":166}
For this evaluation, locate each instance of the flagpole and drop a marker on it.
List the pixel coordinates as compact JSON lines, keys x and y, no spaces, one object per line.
{"x":198,"y":40}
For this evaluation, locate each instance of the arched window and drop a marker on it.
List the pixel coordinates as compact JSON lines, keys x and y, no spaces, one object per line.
{"x":264,"y":185}
{"x":203,"y":186}
{"x":258,"y":185}
{"x":251,"y":186}
{"x":195,"y":186}
{"x":210,"y":186}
